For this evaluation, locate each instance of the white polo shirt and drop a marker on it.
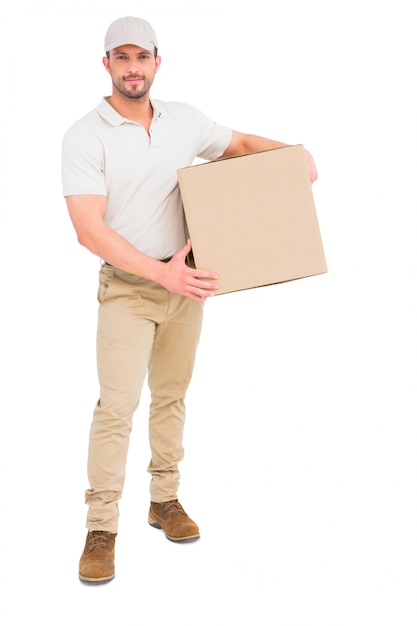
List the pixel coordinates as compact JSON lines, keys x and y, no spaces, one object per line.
{"x":107,"y":154}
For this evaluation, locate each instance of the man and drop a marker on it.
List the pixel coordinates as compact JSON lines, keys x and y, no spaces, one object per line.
{"x":120,"y":184}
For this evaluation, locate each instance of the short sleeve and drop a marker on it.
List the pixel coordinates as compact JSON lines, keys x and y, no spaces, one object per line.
{"x":82,"y":163}
{"x":213,"y":138}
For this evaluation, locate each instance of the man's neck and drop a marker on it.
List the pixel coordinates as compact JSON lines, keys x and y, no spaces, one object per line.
{"x":138,"y":110}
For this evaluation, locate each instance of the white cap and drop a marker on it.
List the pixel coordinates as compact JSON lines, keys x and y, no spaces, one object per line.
{"x":130,"y":30}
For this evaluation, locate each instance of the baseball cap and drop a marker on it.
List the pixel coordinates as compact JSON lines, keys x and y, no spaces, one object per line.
{"x":130,"y":30}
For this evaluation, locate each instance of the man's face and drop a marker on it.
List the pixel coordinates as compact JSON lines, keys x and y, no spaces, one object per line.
{"x":132,"y":70}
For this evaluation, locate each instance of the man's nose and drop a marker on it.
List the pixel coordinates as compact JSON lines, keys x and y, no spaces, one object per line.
{"x":133,"y":67}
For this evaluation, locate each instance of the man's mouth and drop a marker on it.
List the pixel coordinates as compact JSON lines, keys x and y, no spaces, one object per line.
{"x":133,"y":79}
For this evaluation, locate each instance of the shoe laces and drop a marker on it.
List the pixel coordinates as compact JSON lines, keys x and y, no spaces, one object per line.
{"x":98,"y":538}
{"x":174,"y":507}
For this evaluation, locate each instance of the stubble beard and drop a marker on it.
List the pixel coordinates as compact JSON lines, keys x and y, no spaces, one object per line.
{"x":134,"y":92}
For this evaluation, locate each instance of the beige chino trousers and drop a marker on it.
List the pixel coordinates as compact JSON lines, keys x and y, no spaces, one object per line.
{"x":142,"y":328}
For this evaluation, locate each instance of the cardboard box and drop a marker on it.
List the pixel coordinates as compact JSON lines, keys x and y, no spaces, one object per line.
{"x":252,"y":219}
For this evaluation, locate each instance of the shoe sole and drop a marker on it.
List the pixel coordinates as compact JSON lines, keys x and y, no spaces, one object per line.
{"x":95,"y":581}
{"x":175,"y":539}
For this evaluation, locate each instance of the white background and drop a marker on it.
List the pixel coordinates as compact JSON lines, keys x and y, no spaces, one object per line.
{"x":300,"y":462}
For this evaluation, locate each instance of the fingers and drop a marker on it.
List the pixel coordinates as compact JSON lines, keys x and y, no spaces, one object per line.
{"x":182,"y":254}
{"x":191,"y":282}
{"x":312,"y":170}
{"x":195,"y":276}
{"x":202,"y":288}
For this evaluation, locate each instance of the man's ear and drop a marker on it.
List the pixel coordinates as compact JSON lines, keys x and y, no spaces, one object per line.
{"x":106,"y":64}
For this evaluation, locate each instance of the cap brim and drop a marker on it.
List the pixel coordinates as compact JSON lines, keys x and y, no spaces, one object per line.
{"x":141,"y":43}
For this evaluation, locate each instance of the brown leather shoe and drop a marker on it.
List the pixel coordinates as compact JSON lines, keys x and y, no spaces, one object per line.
{"x":174,"y":521}
{"x":97,"y":560}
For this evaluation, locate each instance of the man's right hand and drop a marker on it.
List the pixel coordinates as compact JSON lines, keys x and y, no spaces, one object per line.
{"x":178,"y":278}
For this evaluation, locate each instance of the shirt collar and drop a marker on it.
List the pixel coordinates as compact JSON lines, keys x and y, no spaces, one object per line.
{"x":106,"y":111}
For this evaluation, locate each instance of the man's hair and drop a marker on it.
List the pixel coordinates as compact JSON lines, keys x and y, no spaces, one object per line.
{"x":155,"y":51}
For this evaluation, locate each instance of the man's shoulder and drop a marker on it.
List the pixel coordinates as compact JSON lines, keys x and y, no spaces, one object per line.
{"x":178,"y":110}
{"x":94,"y":120}
{"x":85,"y":122}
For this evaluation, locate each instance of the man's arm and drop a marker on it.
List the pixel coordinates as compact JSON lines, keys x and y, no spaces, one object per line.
{"x":242,"y":143}
{"x":87,"y":213}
